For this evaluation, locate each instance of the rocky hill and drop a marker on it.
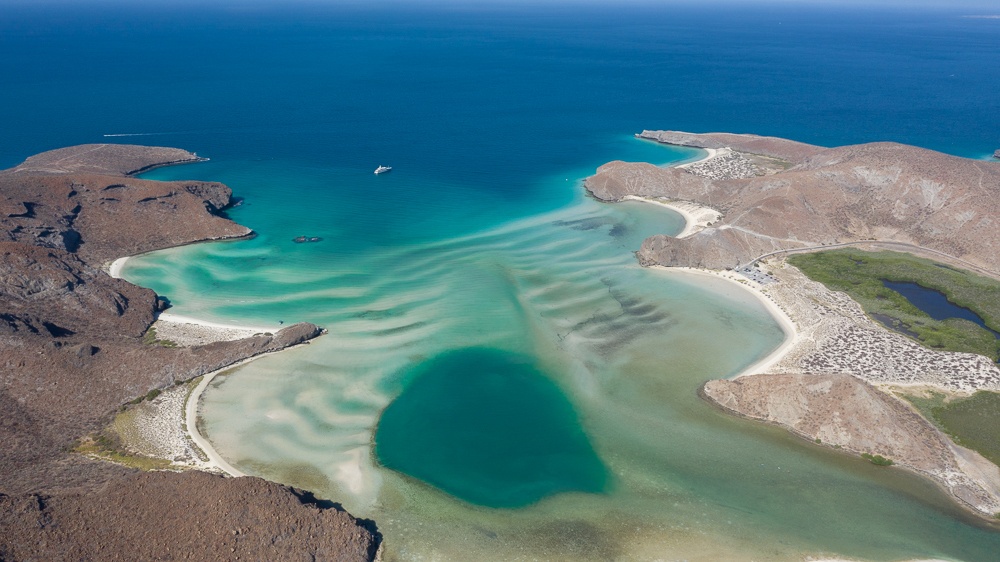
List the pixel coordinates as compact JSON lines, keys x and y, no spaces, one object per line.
{"x":842,"y":411}
{"x":195,"y":516}
{"x":72,"y":352}
{"x":880,"y":191}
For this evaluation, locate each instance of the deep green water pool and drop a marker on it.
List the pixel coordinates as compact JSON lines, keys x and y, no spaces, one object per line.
{"x":487,"y":427}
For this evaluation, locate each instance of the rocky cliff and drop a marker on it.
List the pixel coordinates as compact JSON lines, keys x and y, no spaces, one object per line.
{"x":72,"y":352}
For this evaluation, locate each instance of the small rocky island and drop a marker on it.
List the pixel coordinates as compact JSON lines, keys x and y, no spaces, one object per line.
{"x":74,"y":351}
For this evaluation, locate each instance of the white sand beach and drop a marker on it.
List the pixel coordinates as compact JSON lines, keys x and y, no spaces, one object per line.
{"x":191,"y":423}
{"x":186,"y":331}
{"x":696,"y":217}
{"x":115,"y":267}
{"x":709,"y":154}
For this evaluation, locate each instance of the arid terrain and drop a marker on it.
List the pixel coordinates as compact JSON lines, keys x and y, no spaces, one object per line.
{"x":836,"y":383}
{"x":73,"y":353}
{"x":833,"y":380}
{"x":807,"y":196}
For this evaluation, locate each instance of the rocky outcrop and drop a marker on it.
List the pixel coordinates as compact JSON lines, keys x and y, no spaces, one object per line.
{"x":849,"y":414}
{"x":996,"y":154}
{"x":774,"y":147}
{"x":105,"y":159}
{"x":52,"y":292}
{"x":72,"y":351}
{"x":198,"y":516}
{"x":879,"y":191}
{"x":61,"y":200}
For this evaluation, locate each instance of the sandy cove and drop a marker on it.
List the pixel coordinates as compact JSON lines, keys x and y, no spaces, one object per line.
{"x":792,"y":338}
{"x":696,"y":217}
{"x":827,"y":332}
{"x":187,"y":331}
{"x":709,"y":154}
{"x":828,"y":335}
{"x":171,"y":423}
{"x":167,"y":426}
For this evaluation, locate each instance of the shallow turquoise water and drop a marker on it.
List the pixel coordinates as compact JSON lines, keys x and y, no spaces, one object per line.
{"x":481,"y":239}
{"x":626,"y":347}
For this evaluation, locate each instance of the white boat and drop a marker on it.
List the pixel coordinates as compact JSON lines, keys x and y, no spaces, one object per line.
{"x":383,"y":169}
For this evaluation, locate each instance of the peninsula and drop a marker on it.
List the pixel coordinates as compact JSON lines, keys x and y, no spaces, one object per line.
{"x":76,"y":347}
{"x":834,"y":380}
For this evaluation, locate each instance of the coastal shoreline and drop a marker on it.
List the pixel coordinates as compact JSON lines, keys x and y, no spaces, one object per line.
{"x":830,"y":334}
{"x":115,"y":267}
{"x":100,"y":358}
{"x":206,"y":332}
{"x":696,"y":217}
{"x":710,"y":153}
{"x":215,"y":460}
{"x":785,"y":322}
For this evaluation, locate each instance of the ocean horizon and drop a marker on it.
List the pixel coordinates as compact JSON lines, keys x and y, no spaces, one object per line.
{"x":501,"y":379}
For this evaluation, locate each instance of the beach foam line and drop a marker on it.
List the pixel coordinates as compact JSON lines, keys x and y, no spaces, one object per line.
{"x":137,"y":134}
{"x":792,"y":337}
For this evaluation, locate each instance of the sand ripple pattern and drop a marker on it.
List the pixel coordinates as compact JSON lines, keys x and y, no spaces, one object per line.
{"x":558,"y":284}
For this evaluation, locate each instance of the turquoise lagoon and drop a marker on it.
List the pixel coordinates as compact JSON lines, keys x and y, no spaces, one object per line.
{"x":519,"y":391}
{"x":476,"y":279}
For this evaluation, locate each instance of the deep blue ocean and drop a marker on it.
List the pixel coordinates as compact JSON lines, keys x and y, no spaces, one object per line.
{"x":498,"y":86}
{"x":478,"y":255}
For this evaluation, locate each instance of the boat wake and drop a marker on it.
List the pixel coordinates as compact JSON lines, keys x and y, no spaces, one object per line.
{"x":138,"y":134}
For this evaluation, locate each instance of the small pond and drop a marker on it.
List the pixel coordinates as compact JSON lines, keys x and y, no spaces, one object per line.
{"x":935,"y":304}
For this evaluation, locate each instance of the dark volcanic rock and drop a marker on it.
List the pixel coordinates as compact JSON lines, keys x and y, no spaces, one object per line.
{"x":71,"y":352}
{"x":102,"y":217}
{"x":198,"y":516}
{"x":45,"y":290}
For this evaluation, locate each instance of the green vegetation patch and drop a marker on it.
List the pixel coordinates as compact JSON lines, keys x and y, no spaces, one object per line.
{"x":926,"y":403}
{"x":860,"y":275}
{"x":877,"y":459}
{"x":106,"y":446}
{"x":149,"y":338}
{"x":974,"y":422}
